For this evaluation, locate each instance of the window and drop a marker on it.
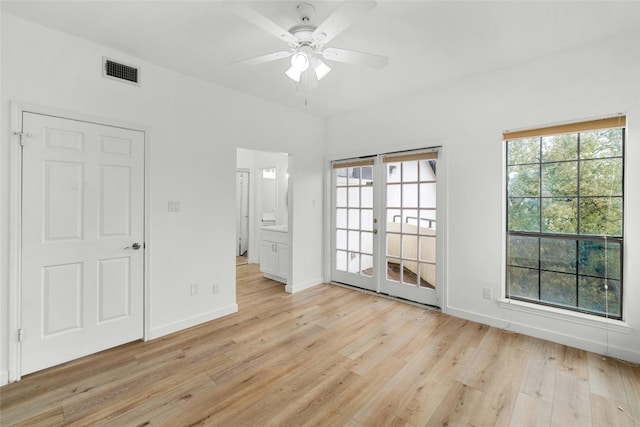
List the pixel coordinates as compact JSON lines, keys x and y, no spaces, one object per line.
{"x":565,"y":199}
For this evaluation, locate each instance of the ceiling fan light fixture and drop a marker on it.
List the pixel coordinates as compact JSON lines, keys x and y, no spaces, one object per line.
{"x":300,"y":61}
{"x":320,"y":68}
{"x":293,"y":74}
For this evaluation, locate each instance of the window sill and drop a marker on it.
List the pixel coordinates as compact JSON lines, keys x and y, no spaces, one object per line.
{"x":567,"y":316}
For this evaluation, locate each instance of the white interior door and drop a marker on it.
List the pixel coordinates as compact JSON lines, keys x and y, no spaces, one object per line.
{"x":384,"y":234}
{"x":82,"y":239}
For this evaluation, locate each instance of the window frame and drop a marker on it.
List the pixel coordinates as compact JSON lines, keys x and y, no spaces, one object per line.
{"x":618,"y":122}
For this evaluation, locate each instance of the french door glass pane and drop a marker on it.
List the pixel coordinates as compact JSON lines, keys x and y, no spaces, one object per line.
{"x":341,"y":218}
{"x":393,"y":269}
{"x":394,"y":220}
{"x":354,"y":262}
{"x":354,"y":219}
{"x":428,"y":249}
{"x":341,"y":260}
{"x":354,"y":197}
{"x":428,"y":195}
{"x":366,"y":245}
{"x":394,"y":194}
{"x":409,"y":247}
{"x":409,"y":276}
{"x":428,"y":275}
{"x":410,"y":221}
{"x":366,"y":219}
{"x":367,"y":265}
{"x":410,"y":195}
{"x":427,"y":221}
{"x":393,"y":172}
{"x":341,"y":197}
{"x":341,"y":239}
{"x":341,"y":177}
{"x":354,"y":241}
{"x":366,"y":197}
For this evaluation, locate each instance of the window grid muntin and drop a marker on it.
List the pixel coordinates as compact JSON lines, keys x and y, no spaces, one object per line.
{"x":578,"y":237}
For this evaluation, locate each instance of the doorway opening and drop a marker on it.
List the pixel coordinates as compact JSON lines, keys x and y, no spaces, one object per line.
{"x":261,"y":200}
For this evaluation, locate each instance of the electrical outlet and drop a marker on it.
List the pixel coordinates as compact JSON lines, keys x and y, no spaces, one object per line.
{"x":486,"y":293}
{"x":194,"y":289}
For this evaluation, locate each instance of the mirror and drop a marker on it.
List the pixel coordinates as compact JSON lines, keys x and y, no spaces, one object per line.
{"x":269,"y":196}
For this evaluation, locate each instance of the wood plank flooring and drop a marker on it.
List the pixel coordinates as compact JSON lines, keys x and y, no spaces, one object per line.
{"x":330,"y":356}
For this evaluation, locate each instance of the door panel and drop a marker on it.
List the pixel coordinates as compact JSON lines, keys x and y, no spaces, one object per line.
{"x":63,"y":200}
{"x":353,"y":237}
{"x":83,"y":208}
{"x":62,"y":298}
{"x":115,"y":201}
{"x":410,"y":227}
{"x":114,"y":283}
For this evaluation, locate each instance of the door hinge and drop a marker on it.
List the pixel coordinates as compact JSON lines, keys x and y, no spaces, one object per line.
{"x":20,"y":335}
{"x":23,"y":135}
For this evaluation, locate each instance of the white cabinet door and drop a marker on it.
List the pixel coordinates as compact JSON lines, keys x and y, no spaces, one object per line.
{"x":83,"y":206}
{"x":267,"y":257}
{"x":282,"y":260}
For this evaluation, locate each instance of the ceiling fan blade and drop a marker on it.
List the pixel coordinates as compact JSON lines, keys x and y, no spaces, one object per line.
{"x":264,"y":58}
{"x":249,"y":14}
{"x":344,"y":16}
{"x":358,"y":58}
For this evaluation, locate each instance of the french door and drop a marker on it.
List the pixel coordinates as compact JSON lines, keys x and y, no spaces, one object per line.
{"x":385,"y":218}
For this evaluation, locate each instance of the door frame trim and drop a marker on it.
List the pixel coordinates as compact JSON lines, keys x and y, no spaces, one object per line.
{"x":15,"y":220}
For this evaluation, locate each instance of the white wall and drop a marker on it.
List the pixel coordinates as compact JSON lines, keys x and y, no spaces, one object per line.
{"x":468,"y":117}
{"x":255,"y":161}
{"x":194,"y":129}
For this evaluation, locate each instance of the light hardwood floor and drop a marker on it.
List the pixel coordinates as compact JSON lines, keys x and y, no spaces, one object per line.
{"x":330,"y":356}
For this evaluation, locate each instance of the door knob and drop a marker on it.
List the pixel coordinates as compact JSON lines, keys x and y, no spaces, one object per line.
{"x":135,"y":246}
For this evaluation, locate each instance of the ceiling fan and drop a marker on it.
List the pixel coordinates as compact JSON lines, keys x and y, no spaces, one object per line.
{"x":306,"y":42}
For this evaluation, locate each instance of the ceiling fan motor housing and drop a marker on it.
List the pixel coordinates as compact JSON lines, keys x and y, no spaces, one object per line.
{"x":304,"y":34}
{"x":306,"y":11}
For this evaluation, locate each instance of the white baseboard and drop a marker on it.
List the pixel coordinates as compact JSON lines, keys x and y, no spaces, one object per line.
{"x":549,"y":335}
{"x":4,"y":378}
{"x":192,"y":321}
{"x":302,"y":286}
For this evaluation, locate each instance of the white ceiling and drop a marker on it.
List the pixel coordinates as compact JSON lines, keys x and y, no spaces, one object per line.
{"x":428,"y":42}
